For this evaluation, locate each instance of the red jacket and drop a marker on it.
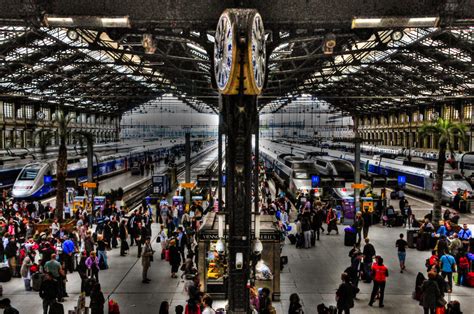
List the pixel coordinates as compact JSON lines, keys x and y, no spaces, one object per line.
{"x":380,"y":272}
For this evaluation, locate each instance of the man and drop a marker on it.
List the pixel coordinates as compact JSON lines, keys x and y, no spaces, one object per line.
{"x":465,"y":235}
{"x":147,"y":257}
{"x":318,"y":219}
{"x":366,"y":216}
{"x":369,"y":253}
{"x":67,"y":211}
{"x":401,"y":244}
{"x":448,"y":266}
{"x":182,"y":242}
{"x":68,"y":252}
{"x":49,"y":291}
{"x":54,"y":267}
{"x":380,"y":278}
{"x":115,"y":231}
{"x":6,"y":305}
{"x":455,"y":246}
{"x":457,"y":200}
{"x":141,"y":235}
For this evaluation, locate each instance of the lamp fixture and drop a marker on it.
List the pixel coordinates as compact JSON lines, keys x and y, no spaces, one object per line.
{"x":86,"y":21}
{"x":393,"y":22}
{"x":149,"y":43}
{"x":329,"y":44}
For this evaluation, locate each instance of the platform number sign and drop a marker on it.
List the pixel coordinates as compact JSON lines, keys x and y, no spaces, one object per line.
{"x":402,"y":180}
{"x":315,"y":181}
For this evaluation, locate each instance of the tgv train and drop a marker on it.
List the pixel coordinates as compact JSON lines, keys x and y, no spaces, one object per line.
{"x":330,"y":166}
{"x":34,"y":180}
{"x":419,"y":175}
{"x":294,"y":172}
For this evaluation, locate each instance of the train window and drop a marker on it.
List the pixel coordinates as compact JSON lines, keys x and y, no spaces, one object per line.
{"x":301,"y":175}
{"x":321,"y":163}
{"x":28,"y":174}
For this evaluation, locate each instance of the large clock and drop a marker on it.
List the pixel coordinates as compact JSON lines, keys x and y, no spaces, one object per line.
{"x":224,"y":52}
{"x":257,"y":53}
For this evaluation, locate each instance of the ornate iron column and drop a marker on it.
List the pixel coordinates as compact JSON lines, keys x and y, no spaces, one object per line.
{"x":239,"y":60}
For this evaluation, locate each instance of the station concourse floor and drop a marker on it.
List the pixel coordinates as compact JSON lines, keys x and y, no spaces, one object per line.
{"x":312,"y":273}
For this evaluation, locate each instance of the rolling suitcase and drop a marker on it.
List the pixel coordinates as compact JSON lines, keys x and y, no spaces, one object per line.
{"x":5,"y":274}
{"x":36,"y":281}
{"x":420,"y":244}
{"x":469,"y":281}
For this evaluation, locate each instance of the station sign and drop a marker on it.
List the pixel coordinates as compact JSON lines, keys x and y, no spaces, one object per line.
{"x":358,"y":185}
{"x":188,"y":185}
{"x":315,"y":181}
{"x":89,"y":185}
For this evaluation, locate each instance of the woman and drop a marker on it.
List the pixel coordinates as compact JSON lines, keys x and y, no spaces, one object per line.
{"x":164,"y":308}
{"x":26,"y":273}
{"x":97,"y":300}
{"x":295,"y":305}
{"x":175,"y":258}
{"x":163,"y":239}
{"x":92,"y":263}
{"x":430,"y":294}
{"x":331,"y":220}
{"x":345,"y":295}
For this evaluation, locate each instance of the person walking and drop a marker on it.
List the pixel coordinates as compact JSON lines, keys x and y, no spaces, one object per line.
{"x":97,"y":300}
{"x":345,"y":295}
{"x":331,"y":220}
{"x":366,"y":216}
{"x":401,"y":244}
{"x":175,"y":258}
{"x":380,"y":278}
{"x":448,"y":267}
{"x":295,"y":304}
{"x":430,"y":294}
{"x":49,"y":291}
{"x":147,"y":258}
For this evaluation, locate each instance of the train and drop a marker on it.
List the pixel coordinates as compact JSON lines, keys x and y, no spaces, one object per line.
{"x":35,"y":179}
{"x":417,"y":173}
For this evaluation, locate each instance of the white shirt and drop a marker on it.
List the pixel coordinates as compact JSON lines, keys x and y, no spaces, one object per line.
{"x":208,"y":310}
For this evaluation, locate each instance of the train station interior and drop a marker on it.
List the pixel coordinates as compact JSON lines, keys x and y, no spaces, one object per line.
{"x":236,"y":156}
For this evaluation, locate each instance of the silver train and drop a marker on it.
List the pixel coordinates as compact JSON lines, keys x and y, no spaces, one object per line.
{"x":35,"y":179}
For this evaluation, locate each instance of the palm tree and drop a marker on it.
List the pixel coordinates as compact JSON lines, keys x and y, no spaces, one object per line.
{"x":62,"y":122}
{"x":446,"y":132}
{"x":44,"y":139}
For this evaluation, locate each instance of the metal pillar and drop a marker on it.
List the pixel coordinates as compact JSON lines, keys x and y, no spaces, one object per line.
{"x":356,"y":162}
{"x":239,"y":117}
{"x":257,"y":162}
{"x":187,"y":161}
{"x":219,"y":156}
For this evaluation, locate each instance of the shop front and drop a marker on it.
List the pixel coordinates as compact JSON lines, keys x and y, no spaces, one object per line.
{"x":212,"y":257}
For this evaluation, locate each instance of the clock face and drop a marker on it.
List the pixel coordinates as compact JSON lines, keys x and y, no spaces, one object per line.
{"x":224,"y":52}
{"x":257,"y":52}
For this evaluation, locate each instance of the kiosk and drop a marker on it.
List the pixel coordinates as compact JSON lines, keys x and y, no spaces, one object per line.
{"x":212,"y":263}
{"x":79,"y":201}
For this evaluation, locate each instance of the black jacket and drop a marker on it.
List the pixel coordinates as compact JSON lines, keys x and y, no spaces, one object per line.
{"x":369,"y":252}
{"x":49,"y":289}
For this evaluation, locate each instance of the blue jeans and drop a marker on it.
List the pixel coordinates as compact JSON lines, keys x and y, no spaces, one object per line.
{"x":103,"y":256}
{"x":402,"y":256}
